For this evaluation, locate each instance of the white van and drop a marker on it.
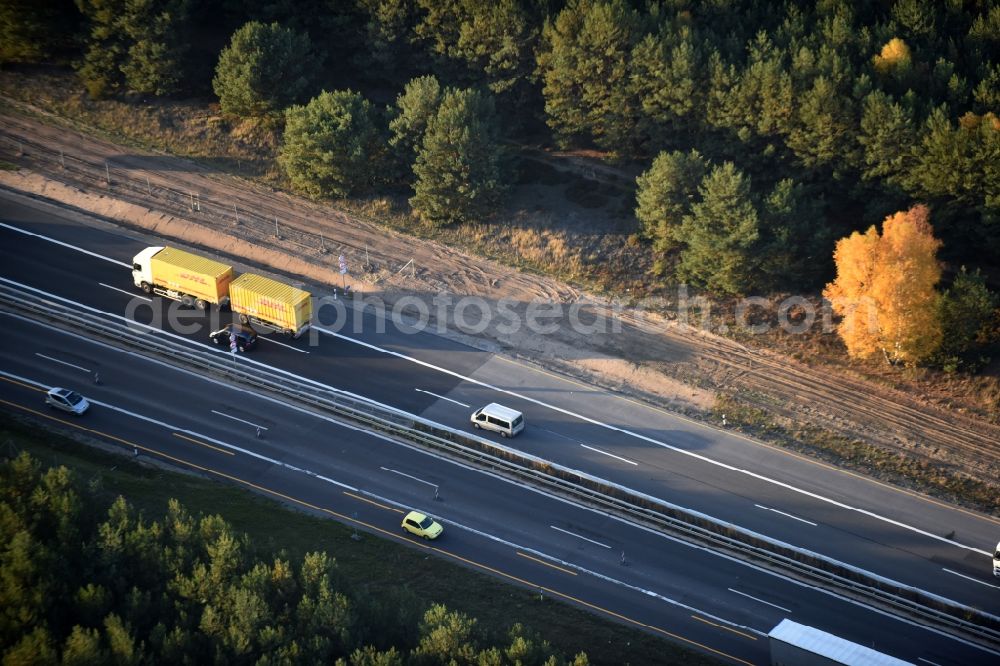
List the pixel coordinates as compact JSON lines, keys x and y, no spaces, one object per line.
{"x":498,"y":418}
{"x":996,"y":562}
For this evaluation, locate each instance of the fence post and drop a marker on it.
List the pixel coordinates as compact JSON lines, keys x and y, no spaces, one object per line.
{"x":62,"y":159}
{"x":236,"y":213}
{"x":107,"y":173}
{"x":276,"y":234}
{"x":191,"y":194}
{"x":322,"y":243}
{"x":149,"y":189}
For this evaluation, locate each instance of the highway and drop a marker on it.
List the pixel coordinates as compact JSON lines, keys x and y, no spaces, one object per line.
{"x":896,"y":534}
{"x":711,"y":602}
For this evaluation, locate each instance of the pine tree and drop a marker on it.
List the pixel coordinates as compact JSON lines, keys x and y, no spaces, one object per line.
{"x":668,"y":77}
{"x":264,"y":69}
{"x":34,"y":30}
{"x":332,"y":146}
{"x":970,"y":322}
{"x":795,"y":237}
{"x":822,"y":136}
{"x":720,"y":234}
{"x":447,"y":636}
{"x":460,"y":168}
{"x":987,"y":91}
{"x":106,"y":47}
{"x":389,"y":36}
{"x":157,"y":33}
{"x":583,"y":62}
{"x":884,"y":290}
{"x":762,"y":98}
{"x":136,"y":45}
{"x":83,"y":648}
{"x":415,"y":106}
{"x":664,"y":194}
{"x":887,"y":139}
{"x":497,"y":41}
{"x":958,"y":162}
{"x":917,"y":16}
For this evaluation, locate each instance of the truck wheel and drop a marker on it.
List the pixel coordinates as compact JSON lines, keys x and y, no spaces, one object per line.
{"x":244,"y":319}
{"x":504,"y":435}
{"x":477,"y":426}
{"x":187,"y":301}
{"x":201,"y":304}
{"x":146,"y":287}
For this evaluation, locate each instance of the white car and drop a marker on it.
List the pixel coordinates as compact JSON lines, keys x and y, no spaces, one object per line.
{"x":67,"y":401}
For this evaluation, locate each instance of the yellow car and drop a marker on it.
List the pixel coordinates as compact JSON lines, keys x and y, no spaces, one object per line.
{"x":421,"y":525}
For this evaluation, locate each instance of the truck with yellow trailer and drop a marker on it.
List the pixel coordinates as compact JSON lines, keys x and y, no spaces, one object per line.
{"x":261,"y":300}
{"x":199,"y":282}
{"x":182,"y":276}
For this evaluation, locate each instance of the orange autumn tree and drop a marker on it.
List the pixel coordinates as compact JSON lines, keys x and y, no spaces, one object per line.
{"x":884,"y":291}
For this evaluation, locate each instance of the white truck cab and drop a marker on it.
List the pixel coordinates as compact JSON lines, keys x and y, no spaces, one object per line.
{"x":996,"y":561}
{"x":142,"y":273}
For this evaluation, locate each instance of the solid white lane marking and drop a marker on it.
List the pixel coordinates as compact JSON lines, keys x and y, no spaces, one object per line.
{"x":928,"y":661}
{"x":127,"y":293}
{"x":639,"y":436}
{"x":744,"y":594}
{"x":283,"y":344}
{"x":409,"y":476}
{"x":194,"y":433}
{"x":787,"y":515}
{"x":974,"y":580}
{"x":249,"y":423}
{"x":596,"y":543}
{"x":55,"y":360}
{"x":443,"y":398}
{"x":760,"y":477}
{"x":610,"y":455}
{"x":596,"y":574}
{"x":66,"y":245}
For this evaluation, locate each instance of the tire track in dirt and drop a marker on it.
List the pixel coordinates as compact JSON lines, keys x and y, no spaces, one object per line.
{"x":830,"y":399}
{"x":437,"y":267}
{"x":869,"y":412}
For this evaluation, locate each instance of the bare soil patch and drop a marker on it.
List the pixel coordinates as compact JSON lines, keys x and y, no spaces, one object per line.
{"x":660,"y":359}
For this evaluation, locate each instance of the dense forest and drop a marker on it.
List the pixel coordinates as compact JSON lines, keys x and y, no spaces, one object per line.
{"x":86,"y":579}
{"x":766,"y":130}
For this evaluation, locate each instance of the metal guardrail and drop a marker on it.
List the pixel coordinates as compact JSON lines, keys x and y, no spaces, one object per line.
{"x":808,"y":566}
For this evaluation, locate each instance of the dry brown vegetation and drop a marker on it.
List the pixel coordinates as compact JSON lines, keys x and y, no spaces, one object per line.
{"x":570,"y":217}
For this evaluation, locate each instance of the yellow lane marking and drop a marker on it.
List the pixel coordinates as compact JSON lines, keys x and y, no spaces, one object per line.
{"x":702,"y":646}
{"x":373,"y":502}
{"x":208,"y":446}
{"x":722,"y":626}
{"x":548,"y":564}
{"x":379,"y":530}
{"x":27,"y":386}
{"x":103,"y":434}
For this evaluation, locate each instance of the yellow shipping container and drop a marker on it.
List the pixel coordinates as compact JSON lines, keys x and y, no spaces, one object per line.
{"x":187,"y":273}
{"x":260,"y":299}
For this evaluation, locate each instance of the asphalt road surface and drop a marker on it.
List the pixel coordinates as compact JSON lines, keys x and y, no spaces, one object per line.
{"x":897,"y":534}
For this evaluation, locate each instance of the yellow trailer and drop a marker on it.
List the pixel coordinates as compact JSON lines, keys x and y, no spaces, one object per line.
{"x":182,"y":276}
{"x":261,"y":300}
